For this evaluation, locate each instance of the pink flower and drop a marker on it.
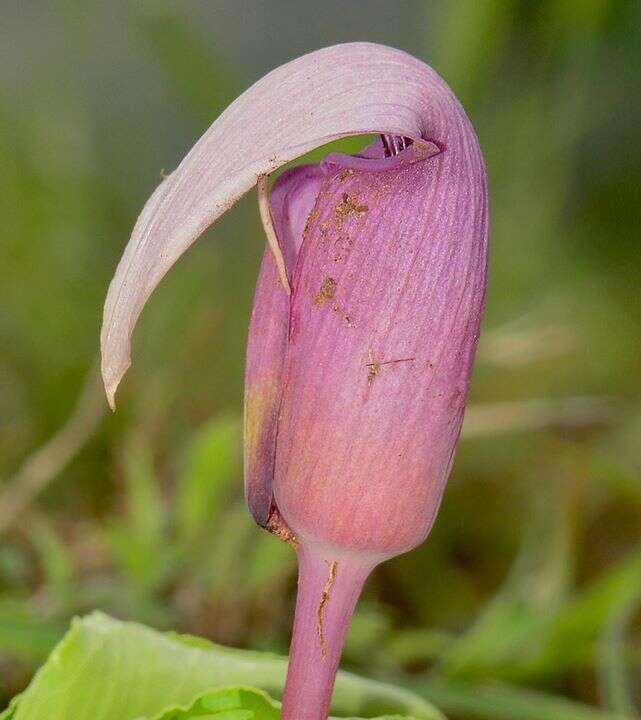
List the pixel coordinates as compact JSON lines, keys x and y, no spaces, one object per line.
{"x":365,"y":320}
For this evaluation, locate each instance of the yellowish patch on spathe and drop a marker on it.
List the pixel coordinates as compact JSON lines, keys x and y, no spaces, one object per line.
{"x":261,"y":398}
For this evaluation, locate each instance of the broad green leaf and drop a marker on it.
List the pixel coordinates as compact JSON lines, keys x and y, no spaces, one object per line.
{"x":234,"y":703}
{"x":105,"y":669}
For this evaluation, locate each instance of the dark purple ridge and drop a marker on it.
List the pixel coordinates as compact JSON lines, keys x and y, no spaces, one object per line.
{"x":394,"y":144}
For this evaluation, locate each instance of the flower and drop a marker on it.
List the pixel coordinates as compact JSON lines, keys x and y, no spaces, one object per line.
{"x":365,"y":322}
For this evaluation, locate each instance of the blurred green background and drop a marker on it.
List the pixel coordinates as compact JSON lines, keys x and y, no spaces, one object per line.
{"x":526,"y":600}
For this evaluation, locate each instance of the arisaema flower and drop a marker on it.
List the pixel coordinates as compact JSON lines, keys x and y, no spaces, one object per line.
{"x":365,"y":322}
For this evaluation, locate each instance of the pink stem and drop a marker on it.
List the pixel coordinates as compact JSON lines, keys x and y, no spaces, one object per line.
{"x":328,"y":588}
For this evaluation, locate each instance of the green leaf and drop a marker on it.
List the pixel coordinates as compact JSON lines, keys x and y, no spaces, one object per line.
{"x":615,"y":682}
{"x":105,"y":669}
{"x":10,"y":712}
{"x":57,"y":564}
{"x":495,"y":701}
{"x":509,"y":634}
{"x":234,"y":703}
{"x":135,"y":541}
{"x":577,"y":628}
{"x":24,"y":634}
{"x":212,"y":462}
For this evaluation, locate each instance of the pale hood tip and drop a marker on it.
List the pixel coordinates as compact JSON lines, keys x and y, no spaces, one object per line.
{"x":111,"y":377}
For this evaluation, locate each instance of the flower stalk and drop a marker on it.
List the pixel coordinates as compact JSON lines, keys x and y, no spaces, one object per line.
{"x":328,"y":590}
